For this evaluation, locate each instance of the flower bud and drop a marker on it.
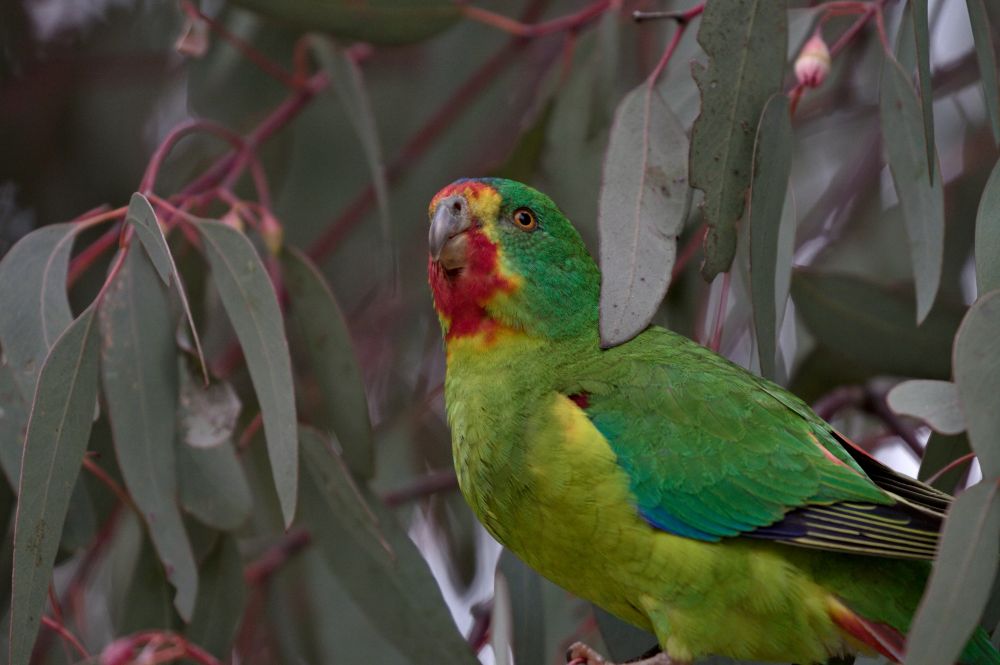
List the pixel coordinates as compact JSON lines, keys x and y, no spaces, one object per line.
{"x":271,"y":232}
{"x":813,"y":63}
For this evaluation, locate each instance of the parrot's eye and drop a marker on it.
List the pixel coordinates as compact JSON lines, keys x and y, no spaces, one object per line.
{"x":525,"y":219}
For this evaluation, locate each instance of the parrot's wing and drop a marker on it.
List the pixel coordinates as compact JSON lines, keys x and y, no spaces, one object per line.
{"x":712,"y":451}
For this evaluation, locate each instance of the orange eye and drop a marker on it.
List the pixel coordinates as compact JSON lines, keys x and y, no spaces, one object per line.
{"x":525,"y":219}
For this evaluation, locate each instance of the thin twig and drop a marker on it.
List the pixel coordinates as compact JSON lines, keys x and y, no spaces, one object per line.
{"x":261,"y":570}
{"x":511,"y":26}
{"x":968,"y":457}
{"x":443,"y":480}
{"x":66,"y":635}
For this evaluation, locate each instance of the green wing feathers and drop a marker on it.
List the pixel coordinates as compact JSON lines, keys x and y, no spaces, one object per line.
{"x":713,"y":452}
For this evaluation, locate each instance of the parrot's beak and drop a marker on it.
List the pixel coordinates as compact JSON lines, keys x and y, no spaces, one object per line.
{"x":447,"y":239}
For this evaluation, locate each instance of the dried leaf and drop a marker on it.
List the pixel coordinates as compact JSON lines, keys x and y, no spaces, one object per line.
{"x":643,"y":204}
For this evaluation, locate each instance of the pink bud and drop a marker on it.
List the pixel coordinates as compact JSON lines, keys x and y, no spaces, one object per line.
{"x":119,"y":652}
{"x":271,"y":231}
{"x":813,"y":63}
{"x":193,"y":40}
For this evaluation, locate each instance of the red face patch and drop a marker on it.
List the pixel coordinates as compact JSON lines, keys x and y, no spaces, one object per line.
{"x":461,"y":297}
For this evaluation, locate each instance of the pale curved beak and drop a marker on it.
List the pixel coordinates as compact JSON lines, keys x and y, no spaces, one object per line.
{"x":446,"y":238}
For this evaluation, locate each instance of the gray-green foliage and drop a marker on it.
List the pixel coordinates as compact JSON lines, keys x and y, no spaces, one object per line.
{"x":155,"y":488}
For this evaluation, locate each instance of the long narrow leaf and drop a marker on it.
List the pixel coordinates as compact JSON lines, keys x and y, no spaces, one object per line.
{"x":772,"y":165}
{"x":139,"y":365}
{"x":988,"y":235}
{"x":58,"y":430}
{"x":921,"y":37}
{"x":375,"y":560}
{"x":921,"y":198}
{"x":961,"y":580}
{"x":746,"y":42}
{"x":644,"y":202}
{"x":349,"y":86}
{"x":327,"y":344}
{"x":141,"y":215}
{"x":34,"y":306}
{"x":986,"y":55}
{"x":252,"y":307}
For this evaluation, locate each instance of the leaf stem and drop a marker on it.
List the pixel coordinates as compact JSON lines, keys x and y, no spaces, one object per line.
{"x":968,"y":457}
{"x":66,"y":635}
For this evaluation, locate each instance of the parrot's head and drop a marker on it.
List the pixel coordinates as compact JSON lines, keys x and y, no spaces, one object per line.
{"x":503,"y":257}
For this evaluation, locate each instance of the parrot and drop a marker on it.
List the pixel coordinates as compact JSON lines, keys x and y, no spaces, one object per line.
{"x":657,"y":479}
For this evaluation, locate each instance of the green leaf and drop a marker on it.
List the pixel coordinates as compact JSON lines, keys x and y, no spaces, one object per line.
{"x":934,"y":402}
{"x":873,"y":324}
{"x":501,"y":621}
{"x":920,"y":197}
{"x":142,"y":216}
{"x":940,"y":451}
{"x":139,"y":364}
{"x":375,"y":560}
{"x":213,"y":485}
{"x":349,"y":86}
{"x":375,"y":21}
{"x":976,"y":364}
{"x":988,"y":235}
{"x":986,"y":55}
{"x":524,"y":588}
{"x":327,"y":344}
{"x":207,"y":414}
{"x":221,"y":596}
{"x":146,"y":604}
{"x":58,"y":430}
{"x":643,"y":204}
{"x":252,"y":307}
{"x":34,"y":306}
{"x":13,"y":421}
{"x":624,"y":641}
{"x":772,"y":164}
{"x":745,"y":41}
{"x":961,"y":580}
{"x":918,"y":11}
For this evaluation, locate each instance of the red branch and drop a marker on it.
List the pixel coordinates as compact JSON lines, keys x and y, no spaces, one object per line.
{"x":443,"y":480}
{"x":968,"y":457}
{"x":67,"y":636}
{"x":570,"y":22}
{"x":261,"y":570}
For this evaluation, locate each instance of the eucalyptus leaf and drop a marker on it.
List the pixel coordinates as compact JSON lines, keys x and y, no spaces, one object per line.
{"x":349,"y":86}
{"x":921,"y":38}
{"x":961,"y":580}
{"x":940,"y":451}
{"x":142,"y":216}
{"x":977,"y":375}
{"x":746,"y":42}
{"x":772,"y":164}
{"x":625,"y":642}
{"x":375,"y":560}
{"x":146,"y":603}
{"x":988,"y":235}
{"x":375,"y":21}
{"x":13,"y":421}
{"x":34,"y":306}
{"x":873,"y":325}
{"x":524,"y":589}
{"x":501,"y":621}
{"x":213,"y":485}
{"x":221,"y":597}
{"x":921,"y":196}
{"x":934,"y":402}
{"x":986,"y":55}
{"x":58,"y":431}
{"x":643,"y":204}
{"x":252,"y":307}
{"x":332,"y":358}
{"x":139,"y":364}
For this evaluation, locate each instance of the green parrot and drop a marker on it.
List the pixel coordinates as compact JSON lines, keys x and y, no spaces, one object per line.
{"x":657,"y":479}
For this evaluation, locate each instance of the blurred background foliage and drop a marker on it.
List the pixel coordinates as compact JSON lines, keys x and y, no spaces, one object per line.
{"x":316,"y":134}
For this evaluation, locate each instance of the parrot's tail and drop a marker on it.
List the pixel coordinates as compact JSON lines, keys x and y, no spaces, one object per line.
{"x":980,"y":651}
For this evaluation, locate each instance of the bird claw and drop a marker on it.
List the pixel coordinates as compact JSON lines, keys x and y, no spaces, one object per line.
{"x":581,"y":654}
